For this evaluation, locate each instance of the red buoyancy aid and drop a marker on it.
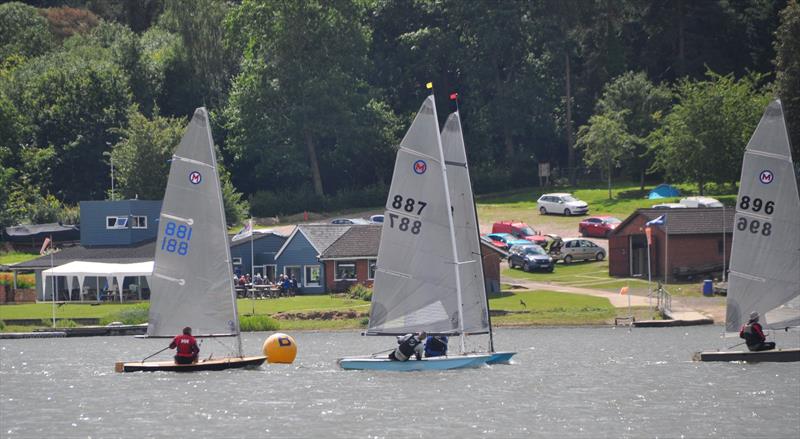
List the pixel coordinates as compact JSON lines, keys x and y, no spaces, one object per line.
{"x":186,"y":344}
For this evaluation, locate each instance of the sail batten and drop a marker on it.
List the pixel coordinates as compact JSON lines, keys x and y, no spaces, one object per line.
{"x":765,"y":256}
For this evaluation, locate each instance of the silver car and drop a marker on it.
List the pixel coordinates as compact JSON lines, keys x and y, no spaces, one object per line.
{"x":579,"y":249}
{"x":561,"y":203}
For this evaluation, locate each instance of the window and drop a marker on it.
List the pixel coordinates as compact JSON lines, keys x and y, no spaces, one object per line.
{"x":346,"y":270}
{"x":312,"y":276}
{"x":139,"y":222}
{"x":373,"y":265}
{"x":116,"y":222}
{"x":237,"y":261}
{"x":270,"y":271}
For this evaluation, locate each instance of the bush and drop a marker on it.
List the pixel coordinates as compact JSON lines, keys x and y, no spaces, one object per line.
{"x":359,"y":291}
{"x":301,"y":199}
{"x":258,"y":323}
{"x":134,"y":315}
{"x":67,"y":323}
{"x":2,"y":325}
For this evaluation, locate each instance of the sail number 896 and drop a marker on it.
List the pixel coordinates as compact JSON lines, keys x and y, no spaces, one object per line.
{"x":754,"y":226}
{"x":755,"y":204}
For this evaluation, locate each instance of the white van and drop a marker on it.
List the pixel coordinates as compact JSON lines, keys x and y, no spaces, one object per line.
{"x":700,"y":202}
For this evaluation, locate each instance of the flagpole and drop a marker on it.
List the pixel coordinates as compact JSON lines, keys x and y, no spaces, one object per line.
{"x":649,"y":277}
{"x":666,"y":246}
{"x":52,"y":281}
{"x":252,"y":270}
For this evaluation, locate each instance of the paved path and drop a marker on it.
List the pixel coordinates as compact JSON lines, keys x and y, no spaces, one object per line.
{"x":617,"y":300}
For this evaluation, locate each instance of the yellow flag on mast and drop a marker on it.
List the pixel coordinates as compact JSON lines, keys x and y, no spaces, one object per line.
{"x":429,"y":85}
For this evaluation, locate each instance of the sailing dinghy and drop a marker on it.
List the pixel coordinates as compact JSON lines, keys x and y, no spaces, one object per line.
{"x":192,"y":281}
{"x":765,"y":255}
{"x":424,"y":281}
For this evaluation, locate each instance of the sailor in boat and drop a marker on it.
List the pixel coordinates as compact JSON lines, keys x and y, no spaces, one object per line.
{"x":435,"y":346}
{"x":753,"y":334}
{"x":409,"y":345}
{"x":187,"y":347}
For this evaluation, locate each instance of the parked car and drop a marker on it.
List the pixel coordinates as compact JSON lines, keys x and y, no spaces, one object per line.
{"x":669,"y":206}
{"x":530,"y":257}
{"x":600,"y":226}
{"x":376,"y":219}
{"x":561,"y":203}
{"x":508,"y":240}
{"x":520,"y":230}
{"x":700,"y":202}
{"x":349,"y":221}
{"x":579,"y":249}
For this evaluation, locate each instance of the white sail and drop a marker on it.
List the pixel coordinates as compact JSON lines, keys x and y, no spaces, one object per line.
{"x":765,"y":258}
{"x":415,"y":283}
{"x":465,"y":224}
{"x":192,"y":282}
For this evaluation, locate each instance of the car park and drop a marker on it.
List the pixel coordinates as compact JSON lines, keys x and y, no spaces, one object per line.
{"x":599,"y":226}
{"x":520,"y":230}
{"x":505,"y":240}
{"x":376,"y":219}
{"x":561,"y":203}
{"x":529,"y":258}
{"x":576,"y":249}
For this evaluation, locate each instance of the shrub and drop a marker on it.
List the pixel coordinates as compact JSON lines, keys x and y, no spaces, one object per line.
{"x":364,"y":322}
{"x":134,"y":315}
{"x":67,"y":323}
{"x":359,"y":291}
{"x":258,"y":323}
{"x":2,"y":325}
{"x":300,"y":199}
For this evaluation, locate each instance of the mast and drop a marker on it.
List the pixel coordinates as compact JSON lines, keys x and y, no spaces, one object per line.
{"x":449,"y":204}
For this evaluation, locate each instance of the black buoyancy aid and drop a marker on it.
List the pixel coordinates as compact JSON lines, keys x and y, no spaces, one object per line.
{"x":408,"y":344}
{"x":749,"y":335}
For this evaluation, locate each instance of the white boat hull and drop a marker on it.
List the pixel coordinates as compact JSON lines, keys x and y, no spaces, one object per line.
{"x":436,"y":363}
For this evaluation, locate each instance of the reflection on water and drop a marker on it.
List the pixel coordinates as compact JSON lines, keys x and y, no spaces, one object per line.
{"x":566,"y":382}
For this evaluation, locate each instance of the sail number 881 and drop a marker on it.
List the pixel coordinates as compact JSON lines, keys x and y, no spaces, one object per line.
{"x":176,"y":238}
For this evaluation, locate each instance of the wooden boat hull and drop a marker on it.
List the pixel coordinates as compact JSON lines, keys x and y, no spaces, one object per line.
{"x":436,"y":363}
{"x":775,"y":355}
{"x":500,"y":358}
{"x":202,"y":365}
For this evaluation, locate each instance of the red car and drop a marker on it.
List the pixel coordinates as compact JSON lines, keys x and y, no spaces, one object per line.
{"x":600,"y":226}
{"x":519,"y":230}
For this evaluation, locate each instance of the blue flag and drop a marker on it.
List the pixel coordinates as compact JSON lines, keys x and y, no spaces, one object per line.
{"x":658,"y":221}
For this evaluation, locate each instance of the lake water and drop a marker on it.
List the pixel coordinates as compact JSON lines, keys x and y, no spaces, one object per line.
{"x":566,"y":382}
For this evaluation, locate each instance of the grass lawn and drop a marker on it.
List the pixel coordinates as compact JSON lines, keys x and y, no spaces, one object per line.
{"x":551,"y":308}
{"x":7,"y":258}
{"x":520,"y":204}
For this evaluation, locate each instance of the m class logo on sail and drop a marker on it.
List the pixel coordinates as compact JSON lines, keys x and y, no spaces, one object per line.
{"x":766,"y":176}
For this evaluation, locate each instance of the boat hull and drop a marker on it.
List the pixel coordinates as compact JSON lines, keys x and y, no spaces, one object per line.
{"x":500,"y":357}
{"x":775,"y":355}
{"x":436,"y":363}
{"x":202,"y":365}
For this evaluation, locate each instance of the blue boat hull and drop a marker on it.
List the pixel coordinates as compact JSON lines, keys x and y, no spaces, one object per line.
{"x":500,"y":358}
{"x":437,"y":363}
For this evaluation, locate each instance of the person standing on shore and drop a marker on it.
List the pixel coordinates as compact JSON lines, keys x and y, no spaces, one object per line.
{"x":753,"y":334}
{"x":187,"y":347}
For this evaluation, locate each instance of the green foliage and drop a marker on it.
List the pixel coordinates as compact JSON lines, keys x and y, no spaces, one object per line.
{"x":704,"y":136}
{"x":604,"y":142}
{"x":141,"y":157}
{"x":360,"y":291}
{"x":787,"y":63}
{"x":303,"y":198}
{"x":2,"y":325}
{"x":258,"y":323}
{"x":132,"y":315}
{"x":67,"y":323}
{"x":23,"y":31}
{"x":236,"y":209}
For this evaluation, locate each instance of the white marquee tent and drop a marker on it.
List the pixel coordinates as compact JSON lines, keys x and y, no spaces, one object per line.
{"x":80,"y":270}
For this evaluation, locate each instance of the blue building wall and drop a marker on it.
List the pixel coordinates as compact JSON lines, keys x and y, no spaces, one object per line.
{"x":93,"y":222}
{"x":300,"y":252}
{"x":264,"y":249}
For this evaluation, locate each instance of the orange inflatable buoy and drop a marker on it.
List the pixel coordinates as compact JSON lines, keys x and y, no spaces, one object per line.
{"x":280,"y":348}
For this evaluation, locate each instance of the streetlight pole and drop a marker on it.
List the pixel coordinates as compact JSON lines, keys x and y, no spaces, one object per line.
{"x":111,"y":163}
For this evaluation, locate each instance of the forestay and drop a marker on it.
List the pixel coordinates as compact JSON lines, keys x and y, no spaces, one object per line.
{"x":468,"y":251}
{"x":765,"y":258}
{"x":415,"y":282}
{"x":192,"y":283}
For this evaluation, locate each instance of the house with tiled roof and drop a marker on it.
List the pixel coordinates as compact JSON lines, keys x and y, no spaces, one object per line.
{"x":691,"y":243}
{"x":298,"y":257}
{"x":353,"y":259}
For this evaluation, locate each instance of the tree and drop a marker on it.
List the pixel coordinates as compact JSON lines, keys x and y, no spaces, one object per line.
{"x":605,"y":142}
{"x":704,"y":136}
{"x":787,"y":64}
{"x":141,"y":157}
{"x":23,"y":31}
{"x":638,"y":104}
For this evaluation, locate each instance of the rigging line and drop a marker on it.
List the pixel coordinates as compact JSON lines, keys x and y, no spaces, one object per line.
{"x":178,"y":218}
{"x":192,"y":161}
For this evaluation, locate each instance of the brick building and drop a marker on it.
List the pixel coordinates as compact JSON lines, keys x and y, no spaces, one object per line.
{"x":690,"y":243}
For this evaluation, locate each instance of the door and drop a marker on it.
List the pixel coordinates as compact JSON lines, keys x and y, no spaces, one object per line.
{"x":638,"y":255}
